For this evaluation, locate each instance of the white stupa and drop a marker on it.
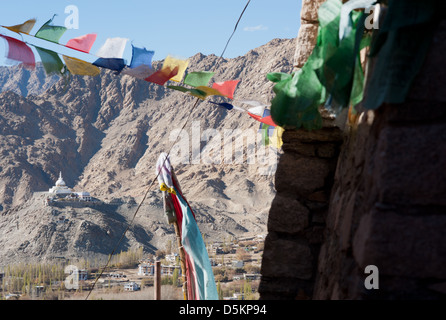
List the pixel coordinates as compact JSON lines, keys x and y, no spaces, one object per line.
{"x":60,"y":189}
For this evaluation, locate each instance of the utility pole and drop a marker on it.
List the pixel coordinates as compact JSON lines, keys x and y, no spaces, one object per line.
{"x":157,"y":283}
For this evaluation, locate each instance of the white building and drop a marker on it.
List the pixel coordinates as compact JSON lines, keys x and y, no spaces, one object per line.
{"x":131,"y":286}
{"x":60,"y":189}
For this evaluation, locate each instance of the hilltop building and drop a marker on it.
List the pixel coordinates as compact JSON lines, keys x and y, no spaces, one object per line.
{"x":61,"y":191}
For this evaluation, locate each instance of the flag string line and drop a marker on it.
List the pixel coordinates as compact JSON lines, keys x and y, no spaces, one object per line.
{"x":158,"y":173}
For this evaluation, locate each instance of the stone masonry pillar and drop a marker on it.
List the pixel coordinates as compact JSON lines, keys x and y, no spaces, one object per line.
{"x":304,"y":179}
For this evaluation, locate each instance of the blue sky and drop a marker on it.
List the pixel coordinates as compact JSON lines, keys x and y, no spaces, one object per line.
{"x":176,"y":27}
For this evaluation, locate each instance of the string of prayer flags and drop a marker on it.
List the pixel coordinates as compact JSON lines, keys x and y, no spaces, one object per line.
{"x":25,"y":27}
{"x":197,"y":79}
{"x":173,"y":63}
{"x":82,"y":43}
{"x":18,"y":51}
{"x":226,"y":88}
{"x":163,"y":75}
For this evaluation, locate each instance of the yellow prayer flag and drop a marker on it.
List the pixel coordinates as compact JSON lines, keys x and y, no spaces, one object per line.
{"x":276,"y":139}
{"x":171,"y":63}
{"x":25,"y":27}
{"x":82,"y":68}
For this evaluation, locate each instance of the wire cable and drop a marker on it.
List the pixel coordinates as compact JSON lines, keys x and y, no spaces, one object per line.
{"x":156,"y":177}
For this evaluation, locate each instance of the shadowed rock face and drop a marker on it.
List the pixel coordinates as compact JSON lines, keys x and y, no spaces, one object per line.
{"x":105,"y":134}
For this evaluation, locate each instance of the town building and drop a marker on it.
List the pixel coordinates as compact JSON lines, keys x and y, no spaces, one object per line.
{"x":131,"y":286}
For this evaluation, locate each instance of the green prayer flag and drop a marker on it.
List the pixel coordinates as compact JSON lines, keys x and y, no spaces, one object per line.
{"x":332,"y":70}
{"x":196,"y":79}
{"x":400,"y":49}
{"x":50,"y":33}
{"x":51,"y":61}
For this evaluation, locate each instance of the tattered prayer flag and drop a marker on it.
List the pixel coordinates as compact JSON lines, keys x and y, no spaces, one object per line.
{"x":50,"y":33}
{"x":115,"y":64}
{"x":51,"y":61}
{"x":19,"y":51}
{"x":79,"y":67}
{"x":141,"y":56}
{"x":25,"y":27}
{"x":179,"y":88}
{"x":173,"y":63}
{"x":82,"y":43}
{"x":112,"y":48}
{"x":162,"y":76}
{"x":196,"y":79}
{"x":226,"y":88}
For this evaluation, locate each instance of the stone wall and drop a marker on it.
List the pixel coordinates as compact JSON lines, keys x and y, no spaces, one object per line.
{"x":372,"y":193}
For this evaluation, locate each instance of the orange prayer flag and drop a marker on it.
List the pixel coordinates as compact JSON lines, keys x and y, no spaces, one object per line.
{"x":25,"y":27}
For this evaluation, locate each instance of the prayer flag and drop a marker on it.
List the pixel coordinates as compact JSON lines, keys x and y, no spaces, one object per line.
{"x":140,"y":72}
{"x":112,"y":48}
{"x":196,"y":249}
{"x":82,"y":43}
{"x":141,"y":56}
{"x":224,"y":105}
{"x":116,"y":64}
{"x":50,"y":33}
{"x":25,"y":27}
{"x":79,"y":67}
{"x":172,"y":64}
{"x":51,"y":61}
{"x":196,"y":79}
{"x":226,"y":88}
{"x":19,"y":51}
{"x":203,"y":92}
{"x":267,"y":120}
{"x":162,"y":76}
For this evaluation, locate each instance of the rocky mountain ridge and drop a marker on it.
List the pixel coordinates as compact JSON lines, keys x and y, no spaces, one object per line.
{"x":105,"y":134}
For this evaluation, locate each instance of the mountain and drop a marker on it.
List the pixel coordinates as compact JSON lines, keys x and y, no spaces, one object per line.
{"x":105,"y":134}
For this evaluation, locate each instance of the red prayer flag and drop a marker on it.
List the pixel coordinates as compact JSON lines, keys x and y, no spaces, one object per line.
{"x":267,"y":120}
{"x":82,"y":43}
{"x":19,"y":51}
{"x":226,"y":88}
{"x":162,"y":76}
